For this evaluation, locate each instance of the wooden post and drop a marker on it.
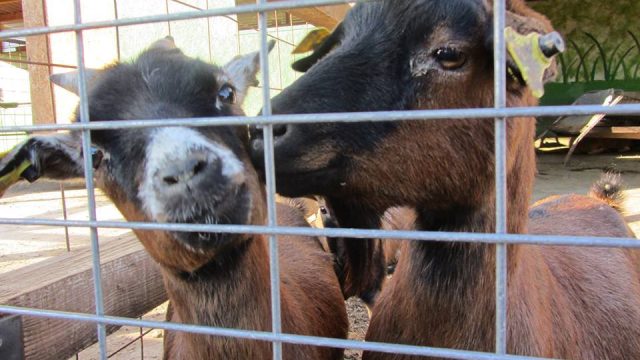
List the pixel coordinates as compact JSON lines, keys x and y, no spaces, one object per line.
{"x":131,"y":282}
{"x":38,"y":51}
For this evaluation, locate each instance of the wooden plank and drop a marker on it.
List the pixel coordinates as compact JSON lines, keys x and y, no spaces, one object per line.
{"x":625,"y":129}
{"x":131,"y":282}
{"x":616,"y":132}
{"x":38,"y":51}
{"x":325,"y":16}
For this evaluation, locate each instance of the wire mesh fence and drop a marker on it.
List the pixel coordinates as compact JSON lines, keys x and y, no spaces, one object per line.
{"x":247,"y":38}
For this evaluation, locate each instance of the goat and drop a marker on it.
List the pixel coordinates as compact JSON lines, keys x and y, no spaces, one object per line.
{"x":198,"y":175}
{"x":426,"y":54}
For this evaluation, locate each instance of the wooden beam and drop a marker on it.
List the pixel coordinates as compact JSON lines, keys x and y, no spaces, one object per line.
{"x":14,"y":16}
{"x":616,"y":132}
{"x":324,"y":16}
{"x":131,"y":282}
{"x":38,"y":51}
{"x":625,"y":129}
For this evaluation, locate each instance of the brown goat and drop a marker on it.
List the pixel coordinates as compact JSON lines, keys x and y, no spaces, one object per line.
{"x":592,"y":294}
{"x":564,"y":302}
{"x":203,"y":176}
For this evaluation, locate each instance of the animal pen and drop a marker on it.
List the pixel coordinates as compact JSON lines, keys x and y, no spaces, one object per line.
{"x":117,"y":282}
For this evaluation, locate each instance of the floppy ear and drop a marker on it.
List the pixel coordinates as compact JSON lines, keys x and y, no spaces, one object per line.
{"x":323,"y":49}
{"x":242,"y":71}
{"x":69,"y":80}
{"x":57,"y":156}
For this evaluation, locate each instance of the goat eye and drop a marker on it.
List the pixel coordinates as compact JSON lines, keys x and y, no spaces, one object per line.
{"x":449,"y":58}
{"x":227,"y":94}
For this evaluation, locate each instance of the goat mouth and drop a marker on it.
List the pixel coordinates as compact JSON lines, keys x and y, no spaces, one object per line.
{"x":233,"y":208}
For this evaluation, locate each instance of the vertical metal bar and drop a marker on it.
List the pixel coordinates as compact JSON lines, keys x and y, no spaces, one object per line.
{"x":269,"y":162}
{"x":238,"y":34}
{"x":281,"y":85}
{"x":141,"y":341}
{"x":88,"y":175}
{"x":115,"y":13}
{"x":166,"y":7}
{"x":64,"y":216}
{"x":500,"y":80}
{"x":209,"y":32}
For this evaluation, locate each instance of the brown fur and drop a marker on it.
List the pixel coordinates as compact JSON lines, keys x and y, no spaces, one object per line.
{"x":592,"y":294}
{"x":427,"y":54}
{"x":240,"y":297}
{"x":219,"y":280}
{"x":395,"y":218}
{"x":567,"y":302}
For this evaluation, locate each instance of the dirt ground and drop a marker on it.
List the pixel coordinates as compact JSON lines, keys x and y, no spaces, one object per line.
{"x":21,"y":246}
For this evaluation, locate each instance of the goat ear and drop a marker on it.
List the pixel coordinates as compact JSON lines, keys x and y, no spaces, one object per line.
{"x":533,"y":55}
{"x":320,"y":51}
{"x":312,"y":40}
{"x":56,"y":156}
{"x":166,"y":43}
{"x":69,"y":80}
{"x":242,"y":71}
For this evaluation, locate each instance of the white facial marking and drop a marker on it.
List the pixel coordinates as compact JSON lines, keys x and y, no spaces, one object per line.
{"x":172,"y":144}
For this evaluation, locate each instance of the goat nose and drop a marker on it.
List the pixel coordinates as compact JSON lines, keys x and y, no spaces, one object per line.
{"x":188,"y":170}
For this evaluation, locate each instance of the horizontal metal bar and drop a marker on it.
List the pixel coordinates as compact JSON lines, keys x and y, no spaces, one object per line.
{"x":480,"y":113}
{"x":490,"y":238}
{"x":264,"y":336}
{"x":187,"y":15}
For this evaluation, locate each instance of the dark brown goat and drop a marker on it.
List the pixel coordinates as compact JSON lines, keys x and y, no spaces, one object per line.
{"x":427,"y":54}
{"x":198,"y":175}
{"x":567,"y":302}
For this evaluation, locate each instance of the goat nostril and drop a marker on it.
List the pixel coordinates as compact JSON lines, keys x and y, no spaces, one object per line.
{"x":279,"y":130}
{"x":170,"y":180}
{"x":200,"y":165}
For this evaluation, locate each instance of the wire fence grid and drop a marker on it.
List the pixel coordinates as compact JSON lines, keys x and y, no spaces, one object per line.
{"x":498,"y":113}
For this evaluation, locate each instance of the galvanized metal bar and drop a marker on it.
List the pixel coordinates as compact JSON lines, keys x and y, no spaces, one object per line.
{"x":83,"y":109}
{"x":501,"y":238}
{"x":421,"y":115}
{"x":270,"y":179}
{"x":266,"y":336}
{"x":500,"y":143}
{"x":63,"y":199}
{"x":198,"y":14}
{"x":588,"y":241}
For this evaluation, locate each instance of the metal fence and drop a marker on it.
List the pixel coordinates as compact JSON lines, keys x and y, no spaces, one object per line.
{"x":276,"y":336}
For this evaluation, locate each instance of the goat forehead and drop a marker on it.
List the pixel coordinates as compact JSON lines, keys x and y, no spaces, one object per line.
{"x":402,"y":16}
{"x":128,"y":92}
